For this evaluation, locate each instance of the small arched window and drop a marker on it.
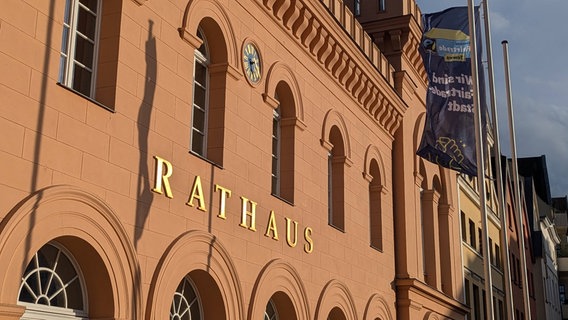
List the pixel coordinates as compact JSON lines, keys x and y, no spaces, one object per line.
{"x":52,"y":286}
{"x":283,"y":140}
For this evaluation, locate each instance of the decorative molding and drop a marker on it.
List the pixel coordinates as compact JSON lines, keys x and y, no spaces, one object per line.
{"x":70,"y":211}
{"x":377,"y":307}
{"x":11,"y":311}
{"x":312,"y":28}
{"x":279,"y":276}
{"x":195,"y":250}
{"x":335,"y":294}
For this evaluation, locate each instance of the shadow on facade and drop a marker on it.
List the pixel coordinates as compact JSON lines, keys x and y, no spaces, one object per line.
{"x":39,"y":130}
{"x":143,"y":189}
{"x":144,"y":193}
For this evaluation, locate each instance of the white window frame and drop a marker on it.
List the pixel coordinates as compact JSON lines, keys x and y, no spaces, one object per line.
{"x":269,"y":316}
{"x":44,"y":312}
{"x":190,"y":303}
{"x":200,"y":58}
{"x":276,"y":150}
{"x":67,"y":58}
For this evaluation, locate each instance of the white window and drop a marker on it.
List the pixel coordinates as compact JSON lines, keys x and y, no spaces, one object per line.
{"x":270,"y":312}
{"x":79,"y":46}
{"x":276,"y":137}
{"x":200,"y":109}
{"x":52,"y":286}
{"x":186,"y":304}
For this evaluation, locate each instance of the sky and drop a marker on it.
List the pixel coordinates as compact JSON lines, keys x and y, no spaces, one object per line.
{"x":539,"y":78}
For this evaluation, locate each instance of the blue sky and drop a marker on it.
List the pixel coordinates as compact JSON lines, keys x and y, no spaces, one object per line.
{"x":539,"y":78}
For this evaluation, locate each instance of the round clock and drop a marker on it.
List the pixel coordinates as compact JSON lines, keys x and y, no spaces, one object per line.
{"x":251,"y":63}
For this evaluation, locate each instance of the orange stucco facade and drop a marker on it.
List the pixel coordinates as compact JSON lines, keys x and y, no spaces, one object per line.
{"x":358,"y":227}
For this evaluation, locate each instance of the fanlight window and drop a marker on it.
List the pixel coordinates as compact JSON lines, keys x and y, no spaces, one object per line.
{"x":270,"y":312}
{"x":51,"y":282}
{"x":185,"y":304}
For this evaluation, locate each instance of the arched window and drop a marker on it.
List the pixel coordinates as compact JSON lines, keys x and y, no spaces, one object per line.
{"x":336,"y":314}
{"x":276,"y":150}
{"x":200,"y":110}
{"x":336,"y":193}
{"x":52,"y":286}
{"x":185,"y":303}
{"x":270,"y":313}
{"x":283,"y":139}
{"x":375,"y":206}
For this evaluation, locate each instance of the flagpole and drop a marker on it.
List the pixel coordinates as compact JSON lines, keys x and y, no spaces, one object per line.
{"x":516,"y":185}
{"x":498,"y":169}
{"x":480,"y":163}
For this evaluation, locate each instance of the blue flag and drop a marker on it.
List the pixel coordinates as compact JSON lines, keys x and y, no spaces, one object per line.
{"x":449,"y":133}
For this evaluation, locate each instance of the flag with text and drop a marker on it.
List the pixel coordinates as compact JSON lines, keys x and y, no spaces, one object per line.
{"x":449,"y":133}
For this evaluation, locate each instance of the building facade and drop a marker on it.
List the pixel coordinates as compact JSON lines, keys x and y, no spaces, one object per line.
{"x":473,"y":248}
{"x":560,"y":207}
{"x":545,"y":239}
{"x":219,"y":159}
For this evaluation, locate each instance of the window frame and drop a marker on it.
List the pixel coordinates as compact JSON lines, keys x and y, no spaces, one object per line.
{"x":381,"y":5}
{"x":357,"y":7}
{"x":36,"y":311}
{"x":276,"y":173}
{"x":187,"y":279}
{"x":68,"y":52}
{"x":204,"y":60}
{"x":275,"y":315}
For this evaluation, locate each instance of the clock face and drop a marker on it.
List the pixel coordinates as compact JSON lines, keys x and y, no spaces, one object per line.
{"x":251,"y":63}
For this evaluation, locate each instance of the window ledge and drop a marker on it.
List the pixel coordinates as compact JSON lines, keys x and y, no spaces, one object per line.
{"x":282,"y":199}
{"x":376,"y":248}
{"x":87,"y":97}
{"x":205,"y":159}
{"x":336,"y":227}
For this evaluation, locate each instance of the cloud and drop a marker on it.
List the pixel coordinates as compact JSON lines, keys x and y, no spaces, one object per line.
{"x":498,"y":22}
{"x":539,"y":79}
{"x":539,"y":130}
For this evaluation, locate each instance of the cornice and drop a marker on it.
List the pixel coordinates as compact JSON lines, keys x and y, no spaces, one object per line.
{"x":346,"y":53}
{"x":405,"y":33}
{"x":411,"y":285}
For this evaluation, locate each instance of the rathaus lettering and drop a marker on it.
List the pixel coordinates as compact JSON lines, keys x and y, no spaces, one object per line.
{"x":196,"y":199}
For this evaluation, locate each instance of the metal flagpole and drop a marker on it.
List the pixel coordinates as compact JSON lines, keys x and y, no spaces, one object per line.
{"x":516,"y":185}
{"x":480,"y":162}
{"x":497,"y":151}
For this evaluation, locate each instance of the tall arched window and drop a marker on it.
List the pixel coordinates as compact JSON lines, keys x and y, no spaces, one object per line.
{"x":336,"y":193}
{"x":375,"y":206}
{"x":200,"y":110}
{"x":283,"y":140}
{"x":52,"y":286}
{"x":276,"y":151}
{"x":185,"y":303}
